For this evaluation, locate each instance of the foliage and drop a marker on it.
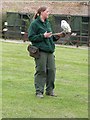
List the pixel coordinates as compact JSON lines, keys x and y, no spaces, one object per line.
{"x":53,"y":23}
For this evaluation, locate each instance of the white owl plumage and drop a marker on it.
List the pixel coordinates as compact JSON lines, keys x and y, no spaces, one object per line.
{"x":65,"y":26}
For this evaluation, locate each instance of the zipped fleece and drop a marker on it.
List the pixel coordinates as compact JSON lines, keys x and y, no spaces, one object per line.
{"x":36,"y":35}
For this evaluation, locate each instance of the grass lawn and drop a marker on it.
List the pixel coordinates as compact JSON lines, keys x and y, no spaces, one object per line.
{"x":0,"y":81}
{"x":71,"y":85}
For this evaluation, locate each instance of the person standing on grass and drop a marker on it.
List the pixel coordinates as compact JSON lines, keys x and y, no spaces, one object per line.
{"x":40,"y":35}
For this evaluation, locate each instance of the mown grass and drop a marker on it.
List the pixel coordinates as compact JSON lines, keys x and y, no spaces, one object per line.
{"x":0,"y":80}
{"x":18,"y":93}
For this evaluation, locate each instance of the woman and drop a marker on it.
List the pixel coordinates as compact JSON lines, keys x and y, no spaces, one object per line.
{"x":40,"y":34}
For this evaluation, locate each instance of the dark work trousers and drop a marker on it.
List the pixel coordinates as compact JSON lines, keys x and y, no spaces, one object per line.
{"x":45,"y":72}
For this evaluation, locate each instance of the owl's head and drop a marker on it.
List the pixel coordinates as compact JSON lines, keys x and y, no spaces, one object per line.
{"x":63,"y":21}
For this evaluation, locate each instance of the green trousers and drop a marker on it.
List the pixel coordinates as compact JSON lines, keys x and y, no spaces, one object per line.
{"x":45,"y":72}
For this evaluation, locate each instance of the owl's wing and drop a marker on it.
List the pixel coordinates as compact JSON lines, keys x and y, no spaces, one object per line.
{"x":66,"y":27}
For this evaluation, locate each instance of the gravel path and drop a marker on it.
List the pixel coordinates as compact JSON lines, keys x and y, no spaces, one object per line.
{"x":27,"y":42}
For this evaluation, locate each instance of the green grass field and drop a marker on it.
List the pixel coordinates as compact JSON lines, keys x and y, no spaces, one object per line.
{"x":0,"y":80}
{"x":71,"y":85}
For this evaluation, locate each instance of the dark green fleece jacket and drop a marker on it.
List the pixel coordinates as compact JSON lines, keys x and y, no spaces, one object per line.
{"x":36,"y":35}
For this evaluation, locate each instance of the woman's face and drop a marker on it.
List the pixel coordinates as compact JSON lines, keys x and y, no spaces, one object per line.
{"x":45,"y":14}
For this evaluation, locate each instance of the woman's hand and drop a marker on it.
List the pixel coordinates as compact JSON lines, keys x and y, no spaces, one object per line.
{"x":47,"y":35}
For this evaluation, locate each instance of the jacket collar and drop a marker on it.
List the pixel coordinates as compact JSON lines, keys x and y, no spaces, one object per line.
{"x":41,"y":20}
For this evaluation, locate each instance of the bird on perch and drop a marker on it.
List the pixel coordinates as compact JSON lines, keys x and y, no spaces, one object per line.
{"x":65,"y":26}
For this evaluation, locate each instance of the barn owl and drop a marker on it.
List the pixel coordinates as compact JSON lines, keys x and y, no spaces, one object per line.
{"x":65,"y":26}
